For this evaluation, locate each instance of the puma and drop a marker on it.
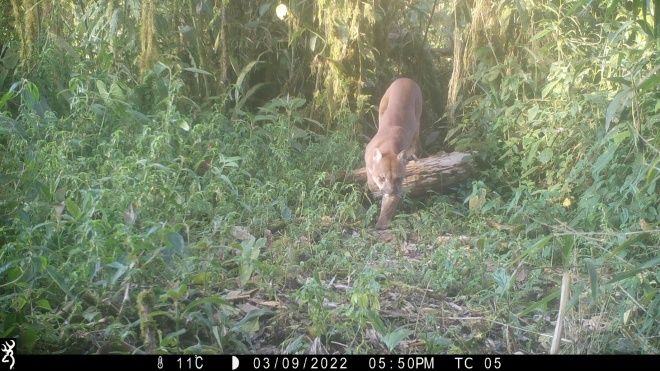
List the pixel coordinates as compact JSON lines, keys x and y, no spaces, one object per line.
{"x":395,"y":143}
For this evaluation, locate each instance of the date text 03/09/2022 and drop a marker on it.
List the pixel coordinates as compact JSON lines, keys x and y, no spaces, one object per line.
{"x":300,"y":363}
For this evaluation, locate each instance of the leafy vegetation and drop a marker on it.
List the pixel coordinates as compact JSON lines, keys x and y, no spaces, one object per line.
{"x":167,"y":177}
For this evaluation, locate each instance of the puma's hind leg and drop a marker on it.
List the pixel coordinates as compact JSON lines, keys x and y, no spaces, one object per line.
{"x":415,"y":147}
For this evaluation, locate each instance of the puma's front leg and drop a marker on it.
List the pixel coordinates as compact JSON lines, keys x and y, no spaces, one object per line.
{"x":387,"y":210}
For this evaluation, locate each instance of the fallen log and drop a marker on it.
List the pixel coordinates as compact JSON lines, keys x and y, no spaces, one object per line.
{"x":433,"y":173}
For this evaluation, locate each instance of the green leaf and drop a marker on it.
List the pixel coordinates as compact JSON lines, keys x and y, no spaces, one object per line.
{"x":313,"y":39}
{"x":197,"y":70}
{"x":538,"y":245}
{"x":294,"y":346}
{"x":611,"y":9}
{"x":161,"y":167}
{"x":393,"y":339}
{"x":121,"y":269}
{"x":286,"y":214}
{"x":202,"y":278}
{"x":338,"y":67}
{"x":549,"y":88}
{"x":532,"y":112}
{"x":60,"y":194}
{"x":243,"y":74}
{"x":152,"y":230}
{"x":73,"y":209}
{"x":176,"y":293}
{"x":246,"y":96}
{"x":97,"y":108}
{"x":245,"y":272}
{"x":59,"y":280}
{"x":621,"y":80}
{"x":576,"y":6}
{"x":117,"y":93}
{"x":100,"y":85}
{"x":32,"y":88}
{"x":646,"y":27}
{"x":5,"y":268}
{"x":256,"y":248}
{"x":621,"y":136}
{"x":29,"y":336}
{"x":604,"y":160}
{"x":176,"y":241}
{"x":619,"y":101}
{"x":218,"y":340}
{"x":541,"y":304}
{"x":175,"y":334}
{"x":652,"y":170}
{"x":296,"y":34}
{"x":577,"y":291}
{"x":251,"y":320}
{"x":593,"y":277}
{"x":545,"y":156}
{"x":624,"y":245}
{"x":139,"y":115}
{"x":540,"y":34}
{"x":183,"y":124}
{"x":651,"y":82}
{"x":90,"y":316}
{"x":159,"y":67}
{"x":566,"y":245}
{"x":6,"y":97}
{"x":263,"y":9}
{"x":43,"y":303}
{"x":250,"y":252}
{"x":656,"y":18}
{"x":502,"y":279}
{"x":212,"y":300}
{"x":633,"y":272}
{"x":376,"y":321}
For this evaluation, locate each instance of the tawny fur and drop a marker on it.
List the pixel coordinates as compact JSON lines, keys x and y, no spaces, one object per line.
{"x":396,"y":142}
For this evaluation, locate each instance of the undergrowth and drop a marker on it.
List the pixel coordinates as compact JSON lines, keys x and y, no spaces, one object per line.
{"x":210,"y":229}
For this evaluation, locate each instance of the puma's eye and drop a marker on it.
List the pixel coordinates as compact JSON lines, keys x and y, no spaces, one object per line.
{"x":382,"y":178}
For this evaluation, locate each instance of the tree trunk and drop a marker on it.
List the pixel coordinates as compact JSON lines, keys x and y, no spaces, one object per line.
{"x":433,"y":173}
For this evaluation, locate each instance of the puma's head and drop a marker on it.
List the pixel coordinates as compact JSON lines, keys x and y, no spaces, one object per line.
{"x":388,"y":172}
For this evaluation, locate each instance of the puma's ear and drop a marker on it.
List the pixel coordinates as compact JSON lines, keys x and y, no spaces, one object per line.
{"x":402,"y":156}
{"x":377,"y":155}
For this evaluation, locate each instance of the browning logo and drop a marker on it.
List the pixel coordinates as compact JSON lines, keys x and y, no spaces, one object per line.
{"x":7,"y":347}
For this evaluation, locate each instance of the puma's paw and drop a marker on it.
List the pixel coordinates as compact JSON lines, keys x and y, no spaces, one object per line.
{"x":382,"y":224}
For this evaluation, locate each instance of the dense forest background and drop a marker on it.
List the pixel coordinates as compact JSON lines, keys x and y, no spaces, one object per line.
{"x":168,"y":171}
